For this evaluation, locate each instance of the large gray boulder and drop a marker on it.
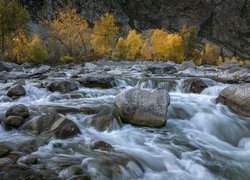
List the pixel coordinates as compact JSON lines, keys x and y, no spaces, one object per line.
{"x":16,"y":91}
{"x":52,"y":125}
{"x":237,"y":98}
{"x":143,"y":108}
{"x":161,"y":68}
{"x":7,"y":66}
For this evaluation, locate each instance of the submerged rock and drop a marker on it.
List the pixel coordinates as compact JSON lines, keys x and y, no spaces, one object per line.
{"x":62,"y":86}
{"x":52,"y":124}
{"x":162,"y":68}
{"x":16,"y":91}
{"x":194,"y":85}
{"x":18,"y":110}
{"x":98,"y":80}
{"x":143,"y":108}
{"x":237,"y":98}
{"x":13,"y":121}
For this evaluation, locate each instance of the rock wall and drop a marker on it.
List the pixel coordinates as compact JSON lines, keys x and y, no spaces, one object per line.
{"x":224,"y":22}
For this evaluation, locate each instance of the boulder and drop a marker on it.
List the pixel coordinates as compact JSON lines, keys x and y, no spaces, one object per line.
{"x":237,"y":98}
{"x":62,"y":86}
{"x":28,"y":159}
{"x":98,"y":80}
{"x":187,"y":64}
{"x":16,"y":91}
{"x":7,"y":66}
{"x":41,"y":70}
{"x":162,"y":68}
{"x":194,"y":85}
{"x":4,"y":151}
{"x":18,"y":110}
{"x":13,"y":121}
{"x":102,"y":122}
{"x":101,"y":145}
{"x":228,"y":65}
{"x":52,"y":125}
{"x":143,"y":108}
{"x":90,"y":67}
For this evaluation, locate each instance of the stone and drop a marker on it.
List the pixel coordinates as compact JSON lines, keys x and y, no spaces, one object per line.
{"x":237,"y":98}
{"x":62,"y":86}
{"x":194,"y":85}
{"x":4,"y":151}
{"x":16,"y":91}
{"x":143,"y":108}
{"x":28,"y":159}
{"x":98,"y":80}
{"x":162,"y":68}
{"x":7,"y":66}
{"x":13,"y":121}
{"x":101,"y":145}
{"x":102,"y":122}
{"x":52,"y":125}
{"x":18,"y":110}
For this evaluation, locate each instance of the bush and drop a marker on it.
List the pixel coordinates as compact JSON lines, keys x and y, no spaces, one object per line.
{"x":66,"y":59}
{"x":210,"y":54}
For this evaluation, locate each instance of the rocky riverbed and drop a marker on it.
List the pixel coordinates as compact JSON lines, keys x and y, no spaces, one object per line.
{"x":124,"y":120}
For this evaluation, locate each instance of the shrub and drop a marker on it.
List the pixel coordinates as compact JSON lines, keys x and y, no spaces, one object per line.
{"x":210,"y":54}
{"x":133,"y":44}
{"x":66,"y":59}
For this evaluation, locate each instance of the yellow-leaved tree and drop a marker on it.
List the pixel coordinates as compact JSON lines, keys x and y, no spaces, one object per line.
{"x":104,"y":34}
{"x":19,"y":46}
{"x":146,"y":50}
{"x":133,"y":44}
{"x":36,"y":50}
{"x":210,"y":54}
{"x":71,"y":31}
{"x":167,"y":46}
{"x":121,"y":49}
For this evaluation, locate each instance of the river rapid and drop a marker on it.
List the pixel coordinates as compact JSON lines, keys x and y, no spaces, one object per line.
{"x":201,"y":140}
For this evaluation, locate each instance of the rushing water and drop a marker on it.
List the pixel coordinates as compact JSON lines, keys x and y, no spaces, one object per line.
{"x":202,"y":139}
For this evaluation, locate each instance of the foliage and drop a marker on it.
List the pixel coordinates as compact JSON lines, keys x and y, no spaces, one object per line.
{"x":104,"y":33}
{"x":146,"y":50}
{"x":121,"y":49}
{"x":12,"y":17}
{"x":167,"y":46}
{"x":210,"y":54}
{"x":133,"y":44}
{"x":36,"y":50}
{"x":66,"y":59}
{"x":19,"y":46}
{"x":191,"y":40}
{"x":71,"y":31}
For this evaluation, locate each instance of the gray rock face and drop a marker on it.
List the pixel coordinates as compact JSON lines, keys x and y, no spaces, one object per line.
{"x":237,"y":98}
{"x":7,"y":66}
{"x":52,"y":124}
{"x":16,"y":91}
{"x":143,"y":108}
{"x":62,"y":86}
{"x":98,"y":79}
{"x":18,"y":110}
{"x":224,"y":22}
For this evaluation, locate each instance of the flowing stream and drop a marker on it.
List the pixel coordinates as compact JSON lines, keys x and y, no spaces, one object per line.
{"x":202,"y":139}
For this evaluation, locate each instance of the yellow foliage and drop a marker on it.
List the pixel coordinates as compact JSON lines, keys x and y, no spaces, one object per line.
{"x":19,"y":47}
{"x":66,"y":59}
{"x":36,"y":50}
{"x":133,"y":44}
{"x":219,"y":61}
{"x":210,"y":54}
{"x":197,"y":55}
{"x":167,"y":46}
{"x":71,"y":31}
{"x":103,"y":36}
{"x":146,"y":51}
{"x":121,"y":49}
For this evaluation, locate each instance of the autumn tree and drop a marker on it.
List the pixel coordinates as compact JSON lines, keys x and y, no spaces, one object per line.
{"x":133,"y":44}
{"x":190,"y":39}
{"x":121,"y":48}
{"x":104,"y":34}
{"x":71,"y":31}
{"x":146,"y":50}
{"x":12,"y":17}
{"x":36,"y":50}
{"x":210,"y":54}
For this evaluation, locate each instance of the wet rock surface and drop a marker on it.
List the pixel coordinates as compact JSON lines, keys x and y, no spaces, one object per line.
{"x":16,"y":91}
{"x":77,"y":133}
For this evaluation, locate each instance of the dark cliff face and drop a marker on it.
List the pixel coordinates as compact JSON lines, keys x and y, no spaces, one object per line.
{"x":225,"y":22}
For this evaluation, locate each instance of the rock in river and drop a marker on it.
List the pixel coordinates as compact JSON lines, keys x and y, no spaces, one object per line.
{"x":143,"y":108}
{"x":13,"y":121}
{"x":162,"y":68}
{"x":16,"y":91}
{"x":237,"y":98}
{"x":194,"y":85}
{"x":52,"y":124}
{"x":62,"y":86}
{"x":18,"y":110}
